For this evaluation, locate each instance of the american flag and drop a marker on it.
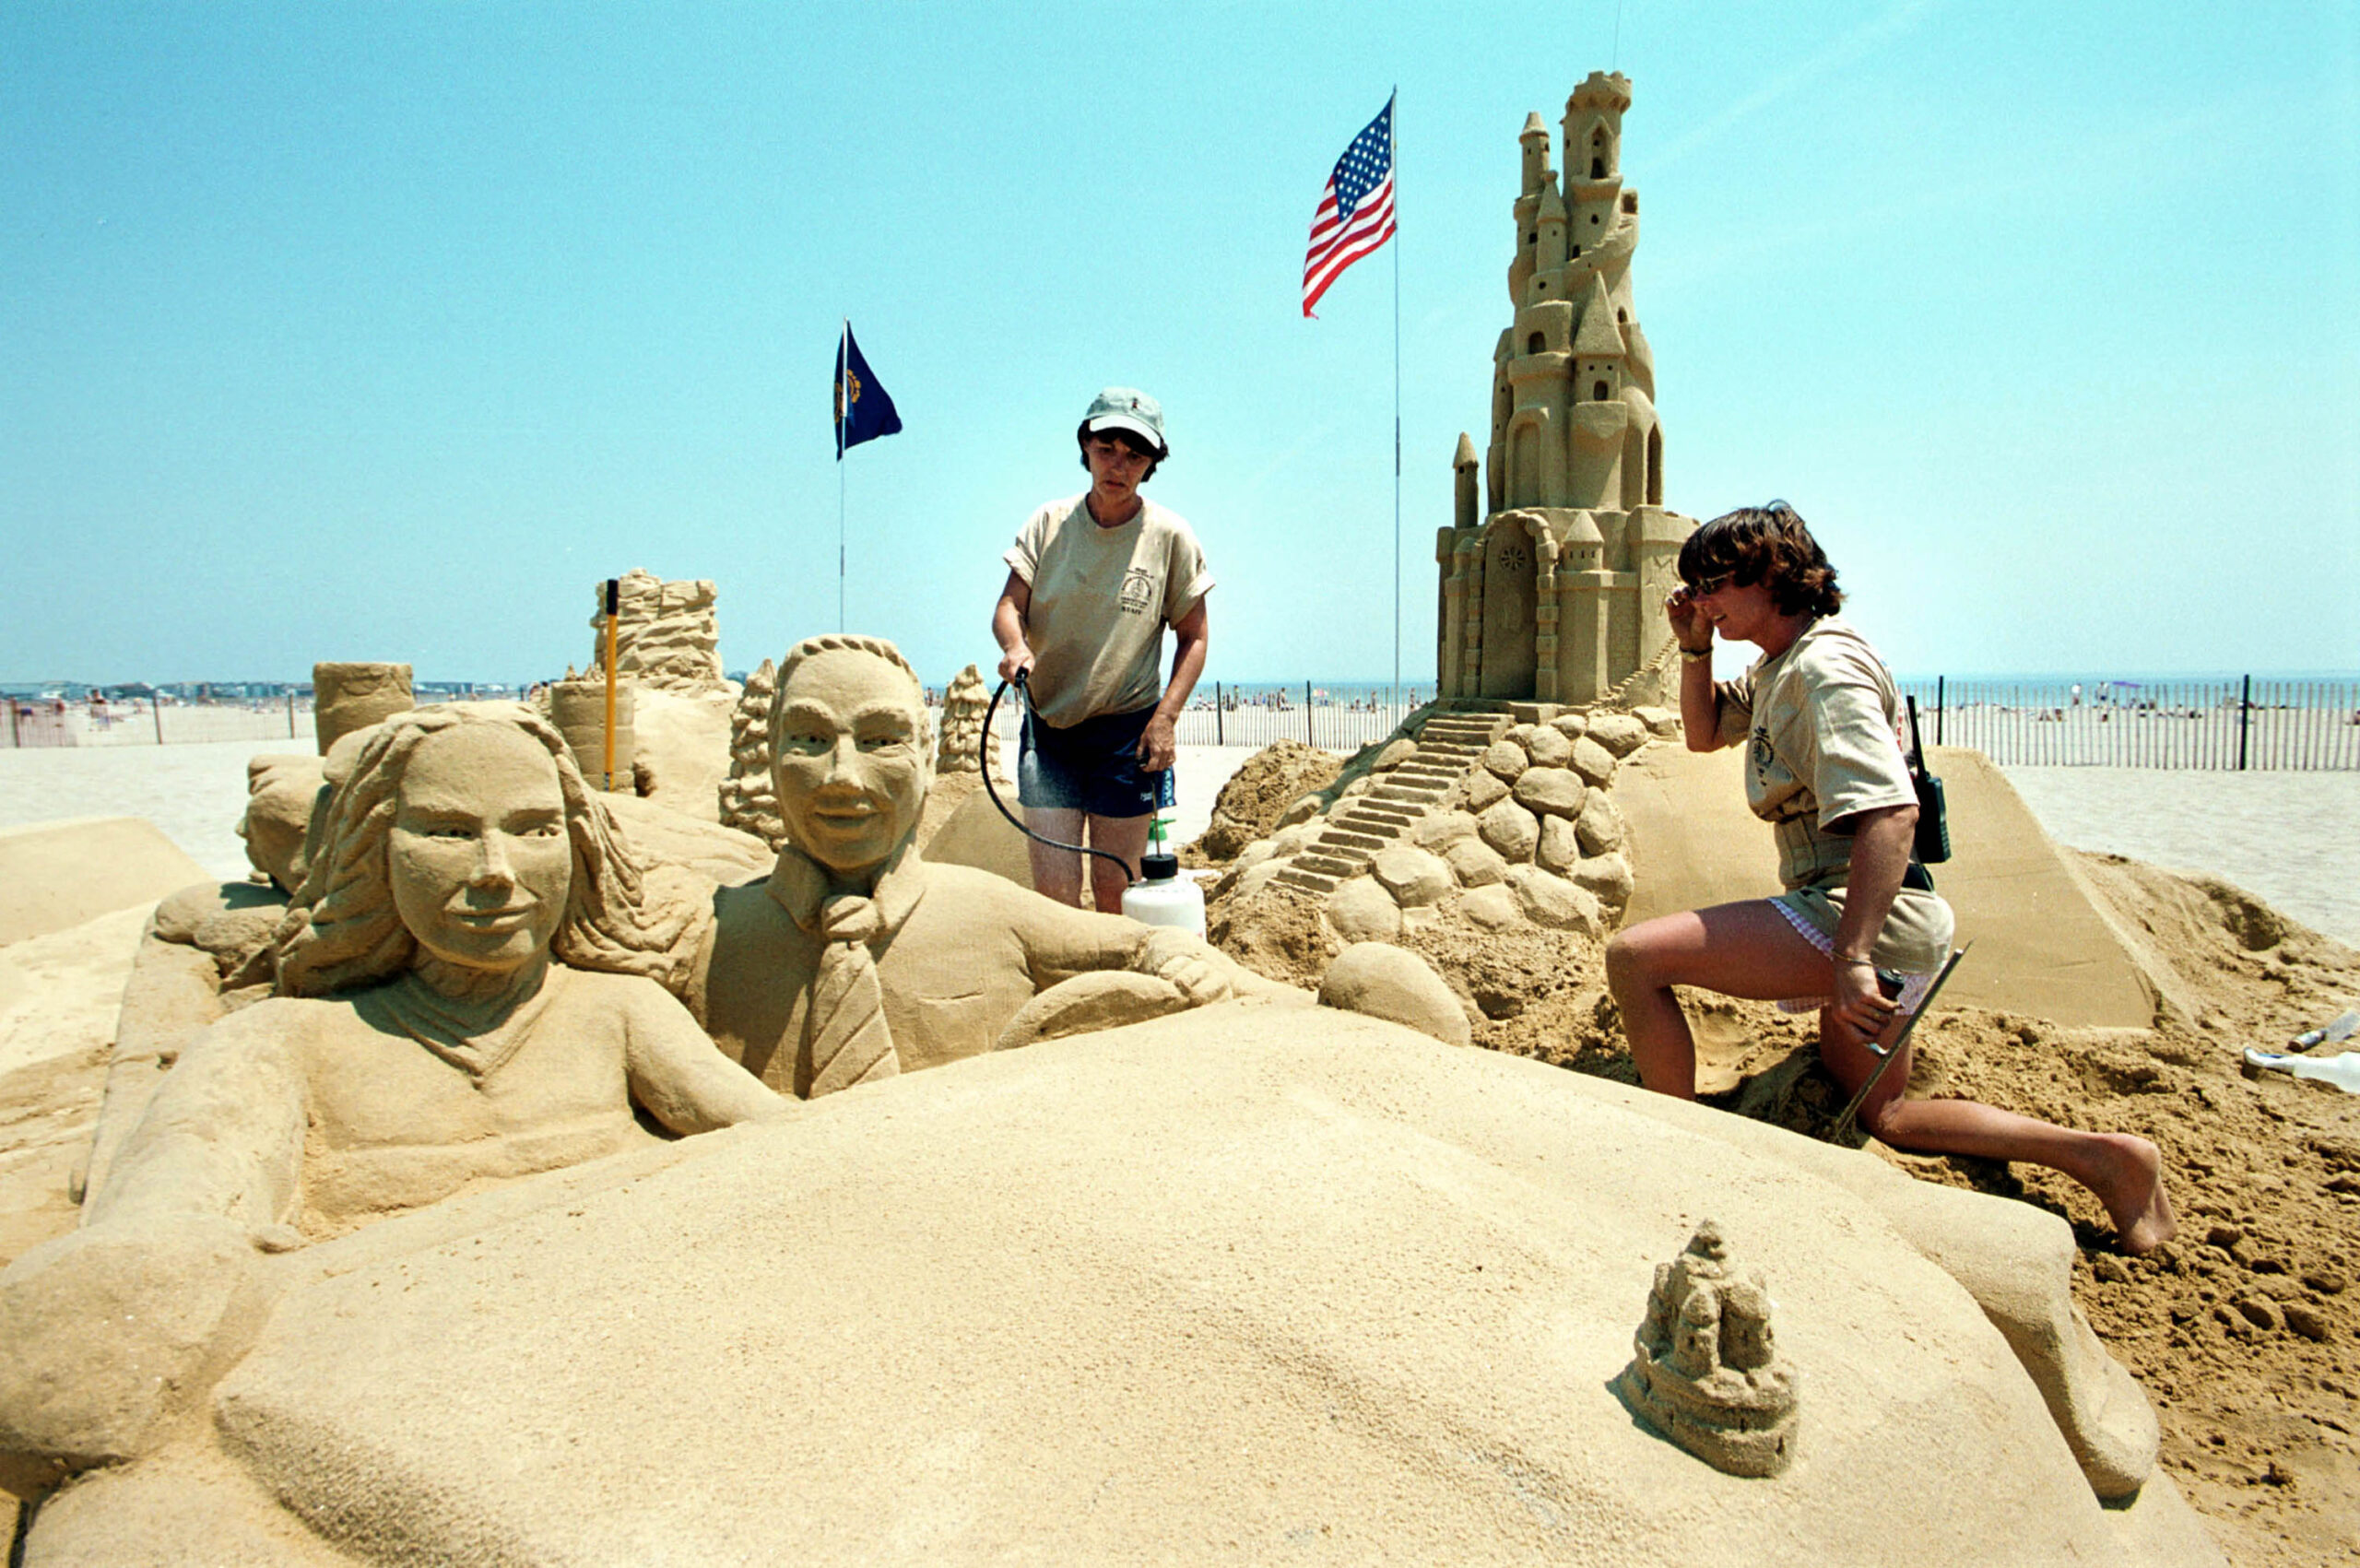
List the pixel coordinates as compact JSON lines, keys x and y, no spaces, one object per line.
{"x":1355,"y":212}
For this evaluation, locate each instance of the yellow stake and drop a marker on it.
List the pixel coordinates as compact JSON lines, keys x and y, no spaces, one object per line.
{"x":614,"y":596}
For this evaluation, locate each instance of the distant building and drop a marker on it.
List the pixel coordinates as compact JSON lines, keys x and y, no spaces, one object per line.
{"x":1553,"y":592}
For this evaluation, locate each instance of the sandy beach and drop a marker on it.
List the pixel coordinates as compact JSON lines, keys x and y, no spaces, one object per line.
{"x":2293,"y":838}
{"x":2253,"y":1394}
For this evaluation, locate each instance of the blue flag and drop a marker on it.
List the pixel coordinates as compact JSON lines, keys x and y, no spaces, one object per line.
{"x":863,"y":410}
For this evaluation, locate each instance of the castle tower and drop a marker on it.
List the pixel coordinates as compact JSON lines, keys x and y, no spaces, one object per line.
{"x":1553,"y":594}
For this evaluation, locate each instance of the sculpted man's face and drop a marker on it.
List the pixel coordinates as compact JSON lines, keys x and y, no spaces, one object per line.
{"x":850,"y":765}
{"x":479,"y":859}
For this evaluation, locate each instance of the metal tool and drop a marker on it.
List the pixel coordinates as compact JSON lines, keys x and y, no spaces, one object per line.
{"x":2345,"y":1024}
{"x":1885,"y":1058}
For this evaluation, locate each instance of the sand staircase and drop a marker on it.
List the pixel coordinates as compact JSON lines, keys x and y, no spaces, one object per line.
{"x":1383,"y":815}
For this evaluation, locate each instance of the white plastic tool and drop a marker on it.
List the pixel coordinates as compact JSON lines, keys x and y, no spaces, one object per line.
{"x":2343,"y":1069}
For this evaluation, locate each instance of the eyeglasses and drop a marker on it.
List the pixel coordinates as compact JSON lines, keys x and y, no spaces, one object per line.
{"x":1710,"y":586}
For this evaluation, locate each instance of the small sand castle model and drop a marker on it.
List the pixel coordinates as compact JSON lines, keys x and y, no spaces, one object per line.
{"x":963,"y":707}
{"x":1708,"y":1371}
{"x":749,"y":803}
{"x":1549,"y":589}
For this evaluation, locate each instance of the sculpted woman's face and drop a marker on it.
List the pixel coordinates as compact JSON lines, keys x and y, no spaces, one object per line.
{"x":850,"y":766}
{"x":479,"y":859}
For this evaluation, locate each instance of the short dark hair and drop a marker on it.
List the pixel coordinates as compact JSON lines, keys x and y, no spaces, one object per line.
{"x":1768,"y":545}
{"x":1131,"y":438}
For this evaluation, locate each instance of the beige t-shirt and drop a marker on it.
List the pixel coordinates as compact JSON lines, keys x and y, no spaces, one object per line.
{"x":1821,"y":726}
{"x":1101,"y":600}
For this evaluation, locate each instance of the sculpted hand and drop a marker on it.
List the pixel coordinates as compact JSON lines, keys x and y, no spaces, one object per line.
{"x":1861,"y":1010}
{"x":1687,"y":624}
{"x":1016,"y":661}
{"x":1158,"y":745}
{"x":1186,"y":962}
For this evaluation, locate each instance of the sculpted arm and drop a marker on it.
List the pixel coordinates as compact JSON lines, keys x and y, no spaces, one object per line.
{"x":224,"y":1136}
{"x":680,"y":1077}
{"x":1061,"y":943}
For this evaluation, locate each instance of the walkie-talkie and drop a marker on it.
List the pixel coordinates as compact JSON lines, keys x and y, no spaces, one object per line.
{"x":1932,"y":845}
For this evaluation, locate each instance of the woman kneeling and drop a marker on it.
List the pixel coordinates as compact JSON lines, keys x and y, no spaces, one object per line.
{"x":1819,"y":716}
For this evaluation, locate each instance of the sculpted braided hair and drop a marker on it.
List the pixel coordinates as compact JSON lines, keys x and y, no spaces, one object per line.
{"x":838,"y":641}
{"x":342,"y":930}
{"x":1767,"y":544}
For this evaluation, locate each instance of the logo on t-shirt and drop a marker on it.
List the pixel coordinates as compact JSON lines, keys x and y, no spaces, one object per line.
{"x":1139,"y":591}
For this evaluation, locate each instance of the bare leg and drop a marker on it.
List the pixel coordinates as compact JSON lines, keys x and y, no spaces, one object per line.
{"x":1123,"y":836}
{"x":1739,"y":949}
{"x":2124,"y":1171}
{"x":1057,"y":873}
{"x":1748,"y":950}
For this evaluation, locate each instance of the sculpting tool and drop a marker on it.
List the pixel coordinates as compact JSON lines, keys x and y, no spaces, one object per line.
{"x":1886,"y":1057}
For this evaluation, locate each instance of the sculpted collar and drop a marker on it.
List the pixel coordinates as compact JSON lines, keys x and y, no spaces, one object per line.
{"x":799,"y":885}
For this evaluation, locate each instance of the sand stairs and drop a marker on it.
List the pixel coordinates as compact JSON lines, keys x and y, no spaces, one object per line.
{"x":1382,"y":815}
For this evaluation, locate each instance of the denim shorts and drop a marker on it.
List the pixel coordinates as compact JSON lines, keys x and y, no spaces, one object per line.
{"x":1093,"y":766}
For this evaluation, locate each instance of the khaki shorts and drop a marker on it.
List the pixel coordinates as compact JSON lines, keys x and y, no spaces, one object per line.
{"x":1915,"y":941}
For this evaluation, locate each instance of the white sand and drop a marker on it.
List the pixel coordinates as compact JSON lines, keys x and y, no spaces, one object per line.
{"x":2293,"y":839}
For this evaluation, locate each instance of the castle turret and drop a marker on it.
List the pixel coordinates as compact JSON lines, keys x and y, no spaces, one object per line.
{"x":1593,"y":127}
{"x":1554,"y":594}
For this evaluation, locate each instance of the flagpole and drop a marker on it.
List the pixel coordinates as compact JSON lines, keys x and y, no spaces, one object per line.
{"x":844,"y":372}
{"x":1393,"y":155}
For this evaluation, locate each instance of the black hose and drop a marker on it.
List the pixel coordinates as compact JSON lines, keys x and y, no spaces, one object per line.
{"x":984,"y":765}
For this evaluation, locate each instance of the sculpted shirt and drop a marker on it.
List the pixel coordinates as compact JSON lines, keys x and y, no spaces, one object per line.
{"x":1821,"y":727}
{"x":1101,"y":600}
{"x":962,"y":951}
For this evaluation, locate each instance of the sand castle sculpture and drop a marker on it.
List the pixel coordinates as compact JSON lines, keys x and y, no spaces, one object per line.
{"x":1706,"y":1369}
{"x":1462,"y":815}
{"x":964,"y":704}
{"x":665,"y":633}
{"x":857,"y":959}
{"x":347,"y":697}
{"x":748,"y":801}
{"x":1548,"y":587}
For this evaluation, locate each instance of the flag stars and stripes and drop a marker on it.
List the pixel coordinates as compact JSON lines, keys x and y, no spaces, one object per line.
{"x":1355,"y":214}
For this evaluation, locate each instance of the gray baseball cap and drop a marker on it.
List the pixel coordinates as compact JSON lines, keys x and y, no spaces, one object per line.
{"x":1128,"y":409}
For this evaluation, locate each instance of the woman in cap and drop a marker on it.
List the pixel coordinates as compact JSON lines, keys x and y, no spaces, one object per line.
{"x":1092,"y":582}
{"x":1818,"y":715}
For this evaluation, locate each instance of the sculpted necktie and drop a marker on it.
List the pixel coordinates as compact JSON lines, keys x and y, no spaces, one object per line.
{"x":845,"y":1022}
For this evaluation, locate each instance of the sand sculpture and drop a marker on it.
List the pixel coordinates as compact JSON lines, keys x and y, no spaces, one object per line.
{"x":424,"y":1043}
{"x":1240,"y":1290}
{"x":1549,"y":588}
{"x":857,"y":959}
{"x":280,"y":791}
{"x":964,"y":704}
{"x":578,"y":709}
{"x":665,"y":633}
{"x":347,"y":697}
{"x":1706,"y":1369}
{"x":748,"y":801}
{"x":1461,"y":816}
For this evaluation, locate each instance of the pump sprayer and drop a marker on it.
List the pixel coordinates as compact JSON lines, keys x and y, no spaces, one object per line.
{"x":1156,"y":892}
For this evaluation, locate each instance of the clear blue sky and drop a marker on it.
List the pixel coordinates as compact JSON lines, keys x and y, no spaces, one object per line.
{"x":384,"y":331}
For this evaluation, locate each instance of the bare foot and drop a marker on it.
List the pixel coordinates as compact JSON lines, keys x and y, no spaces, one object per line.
{"x":2133,"y":1193}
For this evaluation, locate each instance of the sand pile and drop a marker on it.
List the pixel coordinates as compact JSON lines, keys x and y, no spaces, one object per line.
{"x":1256,"y":796}
{"x":2246,"y":1330}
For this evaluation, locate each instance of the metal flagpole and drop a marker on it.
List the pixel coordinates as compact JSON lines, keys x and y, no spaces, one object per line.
{"x":1393,"y":155}
{"x":844,"y":373}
